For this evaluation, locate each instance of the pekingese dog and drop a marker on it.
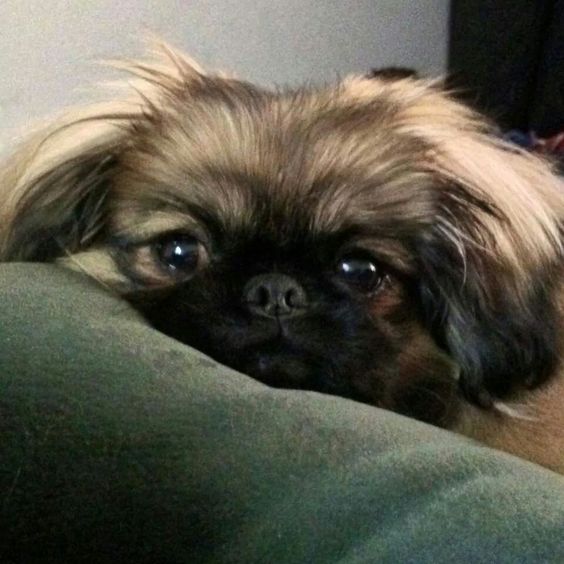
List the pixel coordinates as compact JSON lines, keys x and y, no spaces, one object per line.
{"x":371,"y":239}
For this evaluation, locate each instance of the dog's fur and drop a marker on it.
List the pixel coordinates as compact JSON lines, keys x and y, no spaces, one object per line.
{"x":464,"y":327}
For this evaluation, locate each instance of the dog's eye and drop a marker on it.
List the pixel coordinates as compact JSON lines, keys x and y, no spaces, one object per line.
{"x":179,"y":254}
{"x":360,"y":272}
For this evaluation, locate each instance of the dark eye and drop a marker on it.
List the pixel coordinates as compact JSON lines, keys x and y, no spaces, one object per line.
{"x":180,"y":254}
{"x":360,"y":272}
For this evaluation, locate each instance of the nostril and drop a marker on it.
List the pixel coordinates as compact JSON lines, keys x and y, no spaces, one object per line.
{"x":287,"y":298}
{"x":291,"y":298}
{"x":295,"y":298}
{"x":262,"y":296}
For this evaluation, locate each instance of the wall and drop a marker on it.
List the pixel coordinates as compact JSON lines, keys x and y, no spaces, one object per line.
{"x":49,"y":49}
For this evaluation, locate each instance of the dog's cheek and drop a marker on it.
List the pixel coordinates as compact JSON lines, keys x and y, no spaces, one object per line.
{"x":425,"y":386}
{"x":418,"y":379}
{"x":408,"y":373}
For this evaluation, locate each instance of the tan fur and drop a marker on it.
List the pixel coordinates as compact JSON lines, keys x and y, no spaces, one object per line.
{"x":532,"y":427}
{"x":392,"y":150}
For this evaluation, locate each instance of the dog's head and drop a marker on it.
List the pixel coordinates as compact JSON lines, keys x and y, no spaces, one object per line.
{"x":369,"y":239}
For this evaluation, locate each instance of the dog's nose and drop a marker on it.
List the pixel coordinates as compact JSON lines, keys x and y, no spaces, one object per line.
{"x":275,"y":296}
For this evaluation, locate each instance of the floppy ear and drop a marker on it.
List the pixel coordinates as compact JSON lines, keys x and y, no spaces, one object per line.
{"x":492,"y":262}
{"x":56,"y":188}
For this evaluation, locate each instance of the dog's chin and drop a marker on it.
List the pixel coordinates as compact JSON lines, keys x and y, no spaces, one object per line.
{"x":281,"y":366}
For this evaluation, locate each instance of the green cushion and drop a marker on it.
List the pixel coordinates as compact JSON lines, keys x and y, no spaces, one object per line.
{"x":119,"y":444}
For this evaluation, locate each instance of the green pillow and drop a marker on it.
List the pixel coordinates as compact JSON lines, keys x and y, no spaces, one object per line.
{"x":119,"y":444}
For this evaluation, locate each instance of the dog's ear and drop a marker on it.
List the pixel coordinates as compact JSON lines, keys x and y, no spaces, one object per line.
{"x":56,"y":187}
{"x":55,"y":190}
{"x":491,"y":264}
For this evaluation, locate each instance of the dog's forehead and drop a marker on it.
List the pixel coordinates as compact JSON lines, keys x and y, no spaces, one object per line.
{"x":286,"y":163}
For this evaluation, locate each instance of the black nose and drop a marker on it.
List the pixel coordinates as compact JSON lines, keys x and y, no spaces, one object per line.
{"x":274,"y":295}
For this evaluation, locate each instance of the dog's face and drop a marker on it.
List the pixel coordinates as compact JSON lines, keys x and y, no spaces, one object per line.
{"x":366,"y":239}
{"x":278,"y":235}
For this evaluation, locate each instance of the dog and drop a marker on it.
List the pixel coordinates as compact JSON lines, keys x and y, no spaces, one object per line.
{"x":373,"y":239}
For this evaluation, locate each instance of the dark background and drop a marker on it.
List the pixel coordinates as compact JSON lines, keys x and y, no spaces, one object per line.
{"x":506,"y":57}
